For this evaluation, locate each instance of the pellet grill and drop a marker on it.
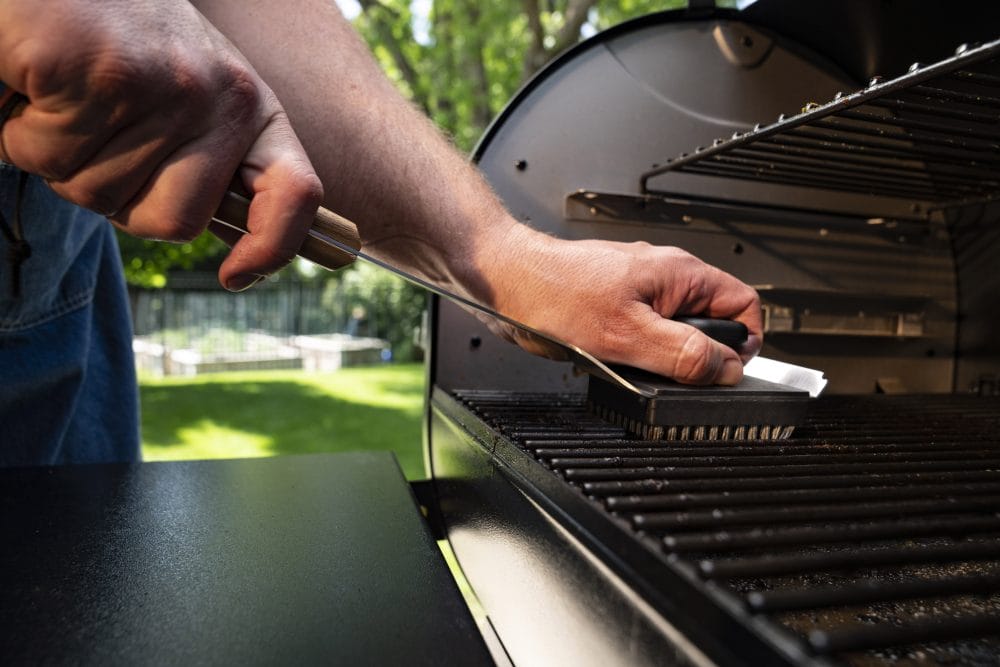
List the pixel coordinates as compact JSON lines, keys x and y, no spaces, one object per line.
{"x":844,"y":158}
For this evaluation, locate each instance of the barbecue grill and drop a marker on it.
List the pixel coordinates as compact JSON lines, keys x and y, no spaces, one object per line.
{"x":844,"y":158}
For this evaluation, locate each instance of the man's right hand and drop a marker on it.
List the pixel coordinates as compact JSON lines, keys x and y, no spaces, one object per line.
{"x":142,"y":111}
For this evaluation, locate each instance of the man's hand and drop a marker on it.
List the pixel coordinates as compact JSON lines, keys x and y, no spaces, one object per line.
{"x":142,"y":111}
{"x":615,"y":301}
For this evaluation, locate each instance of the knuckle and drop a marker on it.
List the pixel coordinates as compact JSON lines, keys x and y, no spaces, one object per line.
{"x":675,"y":254}
{"x":191,"y":86}
{"x":306,"y":189}
{"x":115,"y":79}
{"x":696,"y":360}
{"x":240,"y":91}
{"x":39,"y":62}
{"x":181,"y":229}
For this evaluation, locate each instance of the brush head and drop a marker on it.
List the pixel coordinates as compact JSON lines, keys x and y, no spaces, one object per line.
{"x":754,"y":409}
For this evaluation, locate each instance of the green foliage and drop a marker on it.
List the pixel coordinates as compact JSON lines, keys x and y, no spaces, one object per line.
{"x":146,"y":263}
{"x":381,"y":305}
{"x":469,"y":58}
{"x":613,"y":13}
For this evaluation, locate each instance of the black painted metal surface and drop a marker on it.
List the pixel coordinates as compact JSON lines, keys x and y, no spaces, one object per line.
{"x":873,"y":535}
{"x":292,"y":560}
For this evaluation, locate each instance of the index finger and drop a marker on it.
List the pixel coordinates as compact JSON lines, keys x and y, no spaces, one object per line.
{"x":285,"y":196}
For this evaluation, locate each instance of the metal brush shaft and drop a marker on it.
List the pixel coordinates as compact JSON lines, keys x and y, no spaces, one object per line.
{"x":333,"y":242}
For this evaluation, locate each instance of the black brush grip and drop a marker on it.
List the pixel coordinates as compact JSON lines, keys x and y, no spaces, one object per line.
{"x":727,"y":332}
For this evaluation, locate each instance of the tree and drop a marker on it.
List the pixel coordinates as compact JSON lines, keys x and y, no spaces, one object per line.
{"x":461,"y":60}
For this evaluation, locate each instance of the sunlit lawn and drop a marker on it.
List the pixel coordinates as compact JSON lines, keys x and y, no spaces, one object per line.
{"x":270,"y":413}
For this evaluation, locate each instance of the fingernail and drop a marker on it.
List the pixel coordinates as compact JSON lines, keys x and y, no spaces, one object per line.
{"x":732,"y":372}
{"x":243,"y":282}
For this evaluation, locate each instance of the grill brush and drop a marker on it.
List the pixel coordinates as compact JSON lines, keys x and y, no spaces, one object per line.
{"x":754,"y":409}
{"x":646,"y":404}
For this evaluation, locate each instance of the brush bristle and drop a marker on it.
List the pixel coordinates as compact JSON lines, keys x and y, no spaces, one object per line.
{"x":694,"y":432}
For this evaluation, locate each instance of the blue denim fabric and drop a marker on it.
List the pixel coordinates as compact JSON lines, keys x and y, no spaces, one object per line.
{"x":67,"y":377}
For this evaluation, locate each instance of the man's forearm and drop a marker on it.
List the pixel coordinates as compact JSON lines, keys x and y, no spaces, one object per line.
{"x":383,"y":164}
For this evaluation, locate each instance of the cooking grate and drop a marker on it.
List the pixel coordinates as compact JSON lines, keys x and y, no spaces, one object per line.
{"x":931,"y":135}
{"x":876,"y":527}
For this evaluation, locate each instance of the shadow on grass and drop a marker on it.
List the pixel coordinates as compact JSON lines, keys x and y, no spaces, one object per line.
{"x":283,"y":417}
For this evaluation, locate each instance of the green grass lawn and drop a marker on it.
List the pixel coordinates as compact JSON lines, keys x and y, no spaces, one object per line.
{"x":269,"y":413}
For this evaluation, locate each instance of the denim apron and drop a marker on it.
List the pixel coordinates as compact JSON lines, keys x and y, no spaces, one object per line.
{"x":67,"y":377}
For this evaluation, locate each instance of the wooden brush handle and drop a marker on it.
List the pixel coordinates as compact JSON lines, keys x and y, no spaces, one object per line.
{"x":235,"y":208}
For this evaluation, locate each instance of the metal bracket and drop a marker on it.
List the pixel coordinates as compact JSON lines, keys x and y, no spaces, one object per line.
{"x":704,"y":213}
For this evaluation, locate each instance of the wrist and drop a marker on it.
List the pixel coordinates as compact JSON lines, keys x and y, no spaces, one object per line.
{"x":509,"y":257}
{"x":483,"y":266}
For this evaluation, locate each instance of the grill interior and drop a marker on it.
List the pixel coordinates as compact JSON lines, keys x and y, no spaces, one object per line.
{"x":931,"y":135}
{"x":874,"y":533}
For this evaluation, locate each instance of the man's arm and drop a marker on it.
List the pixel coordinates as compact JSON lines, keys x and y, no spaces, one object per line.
{"x":419,"y":204}
{"x":143,"y":110}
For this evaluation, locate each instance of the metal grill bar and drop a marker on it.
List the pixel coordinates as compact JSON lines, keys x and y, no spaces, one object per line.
{"x":860,"y":480}
{"x":878,"y":501}
{"x":793,"y":496}
{"x":869,"y":591}
{"x":847,"y":559}
{"x":862,"y":637}
{"x":793,"y":470}
{"x":800,"y":536}
{"x":630,"y":459}
{"x":719,"y":518}
{"x":929,"y":135}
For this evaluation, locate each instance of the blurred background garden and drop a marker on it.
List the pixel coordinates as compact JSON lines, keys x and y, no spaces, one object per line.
{"x":311,"y":360}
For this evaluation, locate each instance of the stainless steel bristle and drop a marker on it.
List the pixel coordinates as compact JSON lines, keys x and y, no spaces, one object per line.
{"x":695,"y":432}
{"x":753,"y":410}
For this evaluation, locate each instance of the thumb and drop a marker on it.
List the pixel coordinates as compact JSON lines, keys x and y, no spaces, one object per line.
{"x":689,"y":356}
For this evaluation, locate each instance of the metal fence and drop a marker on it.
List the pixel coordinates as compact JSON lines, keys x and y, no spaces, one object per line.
{"x":194,"y":326}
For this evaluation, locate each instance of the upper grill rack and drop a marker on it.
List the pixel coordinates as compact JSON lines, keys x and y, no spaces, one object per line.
{"x":931,"y":135}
